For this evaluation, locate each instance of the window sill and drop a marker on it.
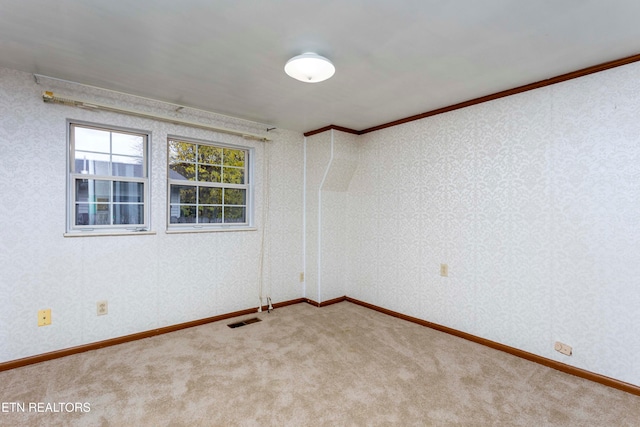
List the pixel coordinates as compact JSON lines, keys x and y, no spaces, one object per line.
{"x":208,"y":230}
{"x":107,"y":234}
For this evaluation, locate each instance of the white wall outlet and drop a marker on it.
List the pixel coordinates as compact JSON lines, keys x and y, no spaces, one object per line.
{"x":563,"y":348}
{"x":102,"y":308}
{"x":444,"y":270}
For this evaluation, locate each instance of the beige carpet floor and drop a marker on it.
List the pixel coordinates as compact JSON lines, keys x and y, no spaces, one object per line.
{"x":341,"y":365}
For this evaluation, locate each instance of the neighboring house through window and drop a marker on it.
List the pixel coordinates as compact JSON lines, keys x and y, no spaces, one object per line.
{"x":209,"y":185}
{"x":108,"y":179}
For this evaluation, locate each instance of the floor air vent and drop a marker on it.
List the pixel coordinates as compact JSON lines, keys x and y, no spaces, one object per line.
{"x":244,"y":322}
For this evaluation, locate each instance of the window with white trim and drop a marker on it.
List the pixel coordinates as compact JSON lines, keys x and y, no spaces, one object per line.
{"x":108,"y":179}
{"x":209,"y":185}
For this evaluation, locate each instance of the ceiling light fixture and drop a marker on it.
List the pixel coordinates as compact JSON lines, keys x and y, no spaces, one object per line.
{"x":309,"y":67}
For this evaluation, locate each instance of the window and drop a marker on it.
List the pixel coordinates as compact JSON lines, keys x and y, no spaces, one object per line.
{"x":209,"y":185}
{"x":108,"y":179}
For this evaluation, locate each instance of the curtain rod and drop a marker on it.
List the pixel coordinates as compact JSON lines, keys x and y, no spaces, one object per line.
{"x":50,"y":97}
{"x":179,"y":107}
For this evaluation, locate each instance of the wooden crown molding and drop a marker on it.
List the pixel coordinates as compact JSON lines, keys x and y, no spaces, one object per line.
{"x":520,"y":89}
{"x":330,"y":127}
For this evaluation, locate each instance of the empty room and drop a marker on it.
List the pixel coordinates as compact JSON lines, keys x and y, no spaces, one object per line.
{"x":305,"y":213}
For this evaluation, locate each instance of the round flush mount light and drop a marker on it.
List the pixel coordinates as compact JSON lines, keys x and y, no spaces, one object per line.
{"x":309,"y":67}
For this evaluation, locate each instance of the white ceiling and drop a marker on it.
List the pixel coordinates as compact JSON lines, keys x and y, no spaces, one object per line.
{"x":393,"y":59}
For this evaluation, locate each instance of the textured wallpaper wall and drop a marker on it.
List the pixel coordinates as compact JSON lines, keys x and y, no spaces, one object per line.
{"x":331,"y":159}
{"x":534,"y":203}
{"x":149,"y":281}
{"x":317,"y":161}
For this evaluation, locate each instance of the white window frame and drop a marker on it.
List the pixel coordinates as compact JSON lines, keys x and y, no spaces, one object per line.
{"x":173,"y":227}
{"x":73,"y":175}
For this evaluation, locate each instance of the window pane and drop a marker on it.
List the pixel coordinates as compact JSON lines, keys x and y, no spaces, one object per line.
{"x":209,"y":173}
{"x":102,"y":152}
{"x":132,"y":192}
{"x":92,"y":214}
{"x":234,"y":196}
{"x":210,"y":155}
{"x":92,"y":140}
{"x":183,"y":194}
{"x":181,"y":152}
{"x":233,"y":157}
{"x":234,"y":214}
{"x":207,"y":214}
{"x":209,"y":196}
{"x":82,"y":214}
{"x":126,"y":144}
{"x":208,"y":184}
{"x":128,"y":214}
{"x":127,"y":166}
{"x":91,"y":163}
{"x":91,"y":190}
{"x":186,"y":171}
{"x":174,"y":213}
{"x":183,"y":214}
{"x":233,"y":176}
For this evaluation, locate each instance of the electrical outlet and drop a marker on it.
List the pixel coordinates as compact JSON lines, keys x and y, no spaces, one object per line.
{"x":301,"y":277}
{"x":44,"y":317}
{"x":444,"y":270}
{"x":563,"y":348}
{"x":102,"y":308}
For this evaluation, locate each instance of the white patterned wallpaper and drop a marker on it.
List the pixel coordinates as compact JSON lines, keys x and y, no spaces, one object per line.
{"x":331,"y":159}
{"x":317,"y":160}
{"x":149,"y":281}
{"x":534,"y":203}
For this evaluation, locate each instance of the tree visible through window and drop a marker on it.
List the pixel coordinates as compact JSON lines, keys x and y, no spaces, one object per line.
{"x":208,"y":184}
